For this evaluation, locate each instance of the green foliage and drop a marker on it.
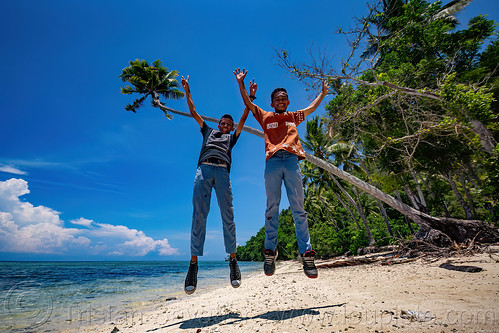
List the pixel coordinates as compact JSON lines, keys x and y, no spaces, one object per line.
{"x":286,"y":237}
{"x":466,"y":102}
{"x":286,"y":241}
{"x":253,"y":249}
{"x":325,"y":240}
{"x":358,"y":240}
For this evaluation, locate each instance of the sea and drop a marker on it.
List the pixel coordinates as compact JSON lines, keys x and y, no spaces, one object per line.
{"x":58,"y":296}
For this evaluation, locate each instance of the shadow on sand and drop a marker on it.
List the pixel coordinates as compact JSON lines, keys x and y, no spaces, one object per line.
{"x":234,"y":318}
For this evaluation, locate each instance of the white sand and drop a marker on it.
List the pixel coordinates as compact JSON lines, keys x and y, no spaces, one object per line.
{"x":366,"y":298}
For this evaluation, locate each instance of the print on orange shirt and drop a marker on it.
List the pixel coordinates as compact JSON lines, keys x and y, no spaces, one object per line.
{"x":281,"y":132}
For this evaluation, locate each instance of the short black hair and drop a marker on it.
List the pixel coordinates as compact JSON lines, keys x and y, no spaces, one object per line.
{"x":276,"y":90}
{"x":226,"y":116}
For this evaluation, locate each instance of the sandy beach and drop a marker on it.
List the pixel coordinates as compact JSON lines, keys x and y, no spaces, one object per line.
{"x":416,"y":296}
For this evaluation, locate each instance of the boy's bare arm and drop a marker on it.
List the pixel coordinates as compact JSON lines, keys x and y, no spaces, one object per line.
{"x":317,"y":101}
{"x":190,"y":103}
{"x":240,"y":75}
{"x":253,"y":87}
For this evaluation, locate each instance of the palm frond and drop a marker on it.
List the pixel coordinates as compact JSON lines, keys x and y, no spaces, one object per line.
{"x":172,"y":93}
{"x":157,"y":63}
{"x":127,"y":90}
{"x":452,"y":8}
{"x":136,"y":104}
{"x":447,"y":12}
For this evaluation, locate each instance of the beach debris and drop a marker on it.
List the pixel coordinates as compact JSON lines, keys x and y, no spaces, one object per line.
{"x":416,"y":315}
{"x":422,"y":249}
{"x":377,"y":249}
{"x":469,"y":269}
{"x":387,"y":258}
{"x":346,"y":262}
{"x":115,"y":330}
{"x":171,"y":299}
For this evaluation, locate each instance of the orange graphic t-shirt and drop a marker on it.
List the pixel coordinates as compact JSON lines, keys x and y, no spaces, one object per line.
{"x":281,"y":132}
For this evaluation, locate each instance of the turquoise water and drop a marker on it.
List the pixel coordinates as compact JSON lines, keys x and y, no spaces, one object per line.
{"x":50,"y":296}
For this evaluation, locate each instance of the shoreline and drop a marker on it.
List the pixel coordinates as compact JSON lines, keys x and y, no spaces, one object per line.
{"x":58,"y":296}
{"x":409,"y":297}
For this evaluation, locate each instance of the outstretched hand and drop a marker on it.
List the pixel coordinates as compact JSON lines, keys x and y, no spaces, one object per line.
{"x":240,"y":75}
{"x":185,"y":84}
{"x":253,"y":87}
{"x":325,"y":86}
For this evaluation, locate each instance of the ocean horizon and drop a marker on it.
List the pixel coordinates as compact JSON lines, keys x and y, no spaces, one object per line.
{"x":55,"y":295}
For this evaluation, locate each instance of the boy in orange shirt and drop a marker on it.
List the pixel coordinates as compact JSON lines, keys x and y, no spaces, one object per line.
{"x":283,"y":151}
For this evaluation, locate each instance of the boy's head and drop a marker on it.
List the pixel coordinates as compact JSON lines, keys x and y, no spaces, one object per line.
{"x":279,"y":100}
{"x":226,"y":124}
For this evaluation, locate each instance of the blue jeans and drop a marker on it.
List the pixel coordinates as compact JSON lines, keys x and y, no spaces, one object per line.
{"x":283,"y":166}
{"x":208,"y":177}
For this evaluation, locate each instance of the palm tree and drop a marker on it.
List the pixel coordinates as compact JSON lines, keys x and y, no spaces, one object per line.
{"x":149,"y":80}
{"x":314,"y":202}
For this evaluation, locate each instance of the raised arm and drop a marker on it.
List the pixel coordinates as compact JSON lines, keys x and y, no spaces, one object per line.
{"x":244,"y":116}
{"x":317,"y":101}
{"x":240,"y":75}
{"x":190,"y":103}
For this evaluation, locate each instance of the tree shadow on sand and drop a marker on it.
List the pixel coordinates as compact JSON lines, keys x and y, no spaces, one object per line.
{"x":234,"y":317}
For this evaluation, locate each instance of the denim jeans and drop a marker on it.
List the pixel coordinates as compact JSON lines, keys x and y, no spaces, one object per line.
{"x":283,"y":166}
{"x":208,"y":177}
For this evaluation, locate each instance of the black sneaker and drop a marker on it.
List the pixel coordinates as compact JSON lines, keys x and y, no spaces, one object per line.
{"x":235,"y":273}
{"x":269,"y":263}
{"x":191,"y":280}
{"x":307,"y":260}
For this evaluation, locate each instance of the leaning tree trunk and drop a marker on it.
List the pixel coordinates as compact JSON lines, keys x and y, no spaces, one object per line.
{"x":423,"y":206}
{"x":357,"y":206}
{"x":486,"y":137}
{"x":407,"y":220}
{"x":347,"y":208}
{"x":466,"y":208}
{"x":442,"y":230}
{"x":467,"y":193}
{"x":328,"y":212}
{"x":364,"y":218}
{"x":432,"y":194}
{"x":380,"y":204}
{"x":412,"y":196}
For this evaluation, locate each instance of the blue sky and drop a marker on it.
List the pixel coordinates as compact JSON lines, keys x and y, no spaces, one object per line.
{"x":81,"y":178}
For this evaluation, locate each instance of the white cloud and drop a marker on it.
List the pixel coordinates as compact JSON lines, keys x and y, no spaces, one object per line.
{"x":131,"y":241}
{"x":11,"y":169}
{"x":25,"y":228}
{"x":82,"y":221}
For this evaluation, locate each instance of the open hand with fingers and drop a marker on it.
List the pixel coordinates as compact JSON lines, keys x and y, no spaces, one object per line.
{"x":240,"y":75}
{"x":325,"y":86}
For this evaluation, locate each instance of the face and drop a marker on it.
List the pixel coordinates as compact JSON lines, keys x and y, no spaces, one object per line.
{"x":226,"y":125}
{"x":280,"y":102}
